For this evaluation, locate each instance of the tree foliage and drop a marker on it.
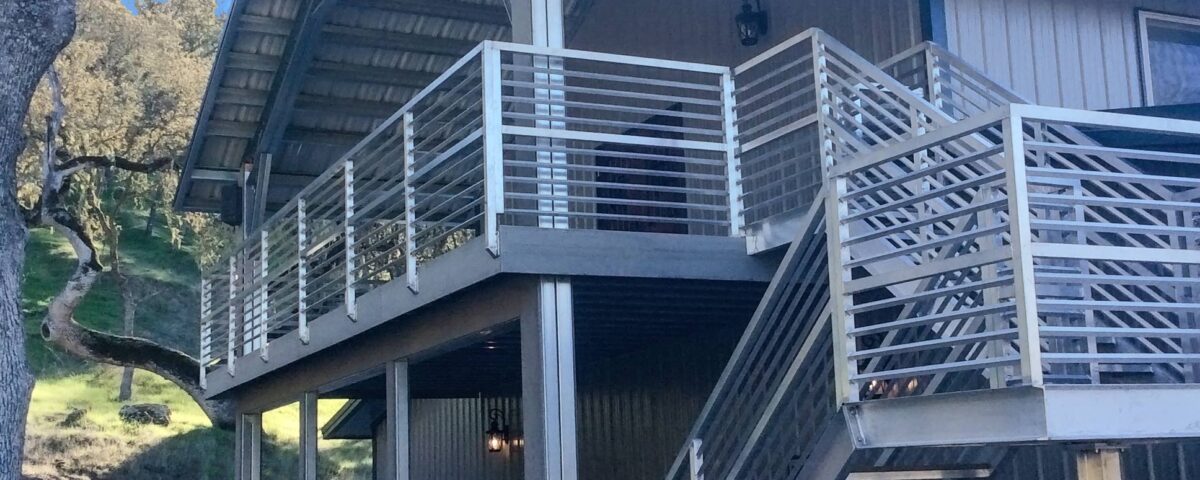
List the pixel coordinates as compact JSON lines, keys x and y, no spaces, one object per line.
{"x":132,"y":85}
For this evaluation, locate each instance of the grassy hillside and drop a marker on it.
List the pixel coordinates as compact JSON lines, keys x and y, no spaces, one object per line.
{"x":74,"y":431}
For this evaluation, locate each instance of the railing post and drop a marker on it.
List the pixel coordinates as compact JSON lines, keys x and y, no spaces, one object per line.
{"x":733,"y":167}
{"x":264,"y":317}
{"x":933,"y":79}
{"x":351,"y":301}
{"x":234,"y":305}
{"x":205,"y":329}
{"x":1028,"y":325}
{"x":493,"y":141}
{"x":302,"y":268}
{"x":695,"y":459}
{"x":843,"y":345}
{"x":824,"y":109}
{"x":410,"y":207}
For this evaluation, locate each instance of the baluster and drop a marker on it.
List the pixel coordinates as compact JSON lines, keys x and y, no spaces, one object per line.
{"x":302,"y":268}
{"x":205,"y":330}
{"x":410,"y":207}
{"x":264,"y":316}
{"x":231,"y":338}
{"x":733,"y":168}
{"x":351,"y":300}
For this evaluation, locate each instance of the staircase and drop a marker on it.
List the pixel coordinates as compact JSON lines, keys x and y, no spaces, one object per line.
{"x":904,"y":177}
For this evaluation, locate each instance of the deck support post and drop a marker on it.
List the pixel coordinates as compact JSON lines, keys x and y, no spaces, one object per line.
{"x":308,"y":436}
{"x":396,"y":451}
{"x":1100,"y":462}
{"x":548,"y":383}
{"x":248,"y":451}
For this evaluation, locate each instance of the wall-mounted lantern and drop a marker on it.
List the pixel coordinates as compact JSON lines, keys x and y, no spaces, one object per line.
{"x":497,"y":432}
{"x":751,"y":23}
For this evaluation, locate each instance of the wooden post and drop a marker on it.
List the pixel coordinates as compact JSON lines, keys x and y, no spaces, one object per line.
{"x":1099,"y":463}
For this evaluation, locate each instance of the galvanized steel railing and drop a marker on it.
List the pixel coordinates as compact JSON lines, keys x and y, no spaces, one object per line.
{"x":511,"y":134}
{"x":1041,"y":271}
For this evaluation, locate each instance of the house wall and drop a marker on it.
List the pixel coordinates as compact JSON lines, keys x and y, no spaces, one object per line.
{"x":634,"y":413}
{"x":704,"y":30}
{"x":1069,"y":53}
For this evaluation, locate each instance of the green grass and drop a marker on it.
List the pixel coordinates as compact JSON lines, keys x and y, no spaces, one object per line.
{"x":99,"y":445}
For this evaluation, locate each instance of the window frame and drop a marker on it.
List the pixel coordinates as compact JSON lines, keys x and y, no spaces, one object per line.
{"x":1143,"y":19}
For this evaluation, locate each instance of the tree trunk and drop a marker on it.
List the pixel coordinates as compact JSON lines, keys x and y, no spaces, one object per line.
{"x":150,"y":218}
{"x":32,"y":33}
{"x":129,"y":310}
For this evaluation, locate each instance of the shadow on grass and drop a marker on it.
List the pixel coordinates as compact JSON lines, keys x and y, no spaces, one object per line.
{"x":207,"y":454}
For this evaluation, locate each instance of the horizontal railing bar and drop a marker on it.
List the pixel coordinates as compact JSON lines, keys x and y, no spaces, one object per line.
{"x":927,"y":294}
{"x":1121,"y":357}
{"x":1121,"y":254}
{"x":613,"y":93}
{"x":1126,"y":153}
{"x":610,"y":107}
{"x":611,"y":138}
{"x":947,"y":240}
{"x":612,"y":77}
{"x":708,"y":132}
{"x":619,"y":170}
{"x":778,"y":70}
{"x":625,"y":217}
{"x":1005,"y":334}
{"x":797,"y":125}
{"x":859,"y":191}
{"x":964,"y":262}
{"x":685,"y":205}
{"x":608,"y":58}
{"x":686,"y":160}
{"x":1066,"y":201}
{"x":1105,"y":227}
{"x":1080,"y":306}
{"x":941,"y":217}
{"x":977,"y":364}
{"x":1071,"y":332}
{"x":981,"y":181}
{"x":1114,"y":177}
{"x":1101,"y":279}
{"x":620,"y":186}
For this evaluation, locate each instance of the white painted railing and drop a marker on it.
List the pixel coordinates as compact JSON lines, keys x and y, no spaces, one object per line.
{"x":511,"y":134}
{"x":1042,"y":266}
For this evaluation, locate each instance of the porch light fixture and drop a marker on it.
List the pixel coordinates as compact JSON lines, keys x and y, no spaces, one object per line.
{"x":497,"y":435}
{"x":751,"y":23}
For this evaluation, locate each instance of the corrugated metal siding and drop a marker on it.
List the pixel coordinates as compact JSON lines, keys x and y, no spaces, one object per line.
{"x":633,"y":415}
{"x":1070,"y":53}
{"x":704,"y":30}
{"x":448,"y":436}
{"x":1160,"y":461}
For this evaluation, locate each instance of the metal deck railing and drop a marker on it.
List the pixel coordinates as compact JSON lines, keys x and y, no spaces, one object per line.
{"x":1053,"y":258}
{"x":509,"y":135}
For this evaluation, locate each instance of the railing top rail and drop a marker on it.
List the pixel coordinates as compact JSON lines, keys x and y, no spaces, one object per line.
{"x":1091,"y":118}
{"x":609,"y":57}
{"x":773,"y":51}
{"x":908,"y":53}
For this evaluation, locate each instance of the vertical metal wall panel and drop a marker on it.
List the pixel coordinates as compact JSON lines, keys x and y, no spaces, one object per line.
{"x":1068,"y":53}
{"x":704,"y":30}
{"x":633,"y":413}
{"x":1156,"y":461}
{"x":448,"y":440}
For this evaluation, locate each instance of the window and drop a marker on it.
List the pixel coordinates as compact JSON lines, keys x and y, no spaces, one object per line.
{"x":1170,"y":47}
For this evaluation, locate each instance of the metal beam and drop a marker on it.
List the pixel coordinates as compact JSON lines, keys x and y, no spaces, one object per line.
{"x":227,"y":128}
{"x":214,"y":175}
{"x":388,"y":40}
{"x":548,"y":383}
{"x":396,"y":464}
{"x":308,"y":436}
{"x":248,"y":452}
{"x":324,"y":137}
{"x":285,"y":86}
{"x":449,"y":9}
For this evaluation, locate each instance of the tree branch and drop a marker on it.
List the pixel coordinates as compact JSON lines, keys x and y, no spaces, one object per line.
{"x":59,"y":325}
{"x":75,"y":164}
